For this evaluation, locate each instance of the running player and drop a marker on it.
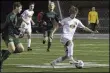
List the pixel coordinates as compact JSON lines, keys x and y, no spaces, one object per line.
{"x":26,"y":24}
{"x":10,"y":33}
{"x":50,"y":22}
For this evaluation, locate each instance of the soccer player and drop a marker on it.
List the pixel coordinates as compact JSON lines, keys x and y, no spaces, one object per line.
{"x":50,"y":23}
{"x":40,"y":21}
{"x":26,"y":24}
{"x":10,"y":33}
{"x":69,"y":25}
{"x":93,"y":19}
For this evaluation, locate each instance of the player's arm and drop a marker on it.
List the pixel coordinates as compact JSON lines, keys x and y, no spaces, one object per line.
{"x":80,"y":25}
{"x":89,"y":15}
{"x":97,"y":18}
{"x":25,"y":20}
{"x":23,"y":15}
{"x":44,"y":18}
{"x":88,"y":30}
{"x":56,"y":25}
{"x":33,"y":23}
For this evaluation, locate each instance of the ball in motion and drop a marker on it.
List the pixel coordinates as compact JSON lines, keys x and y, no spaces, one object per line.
{"x":79,"y":64}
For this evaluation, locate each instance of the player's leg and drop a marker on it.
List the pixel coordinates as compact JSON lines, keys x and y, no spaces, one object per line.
{"x":6,"y":53}
{"x":19,"y":47}
{"x":29,"y":39}
{"x":49,"y":40}
{"x":95,"y":25}
{"x":60,"y":59}
{"x":92,"y":28}
{"x":69,"y":51}
{"x":45,"y":36}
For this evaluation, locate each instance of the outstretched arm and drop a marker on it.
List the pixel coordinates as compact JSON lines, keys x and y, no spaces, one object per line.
{"x":88,"y":30}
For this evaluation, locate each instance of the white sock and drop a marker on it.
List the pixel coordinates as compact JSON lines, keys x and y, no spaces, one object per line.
{"x":71,"y":60}
{"x":29,"y":42}
{"x":60,"y":59}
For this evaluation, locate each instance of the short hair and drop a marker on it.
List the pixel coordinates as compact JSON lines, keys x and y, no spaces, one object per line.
{"x":52,"y":3}
{"x":16,"y":4}
{"x":73,"y":10}
{"x":31,"y":3}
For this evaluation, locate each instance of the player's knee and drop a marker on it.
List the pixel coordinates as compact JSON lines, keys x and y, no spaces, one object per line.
{"x":20,"y":48}
{"x":11,"y":47}
{"x":68,"y":43}
{"x":29,"y":35}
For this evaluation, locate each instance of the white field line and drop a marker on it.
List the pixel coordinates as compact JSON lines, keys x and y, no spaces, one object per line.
{"x":62,"y":44}
{"x":60,"y":65}
{"x":37,"y":48}
{"x":36,"y":53}
{"x":75,"y":50}
{"x":47,"y":58}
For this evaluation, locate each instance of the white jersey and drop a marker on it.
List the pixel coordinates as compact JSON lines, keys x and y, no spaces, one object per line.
{"x":27,"y":15}
{"x":69,"y":27}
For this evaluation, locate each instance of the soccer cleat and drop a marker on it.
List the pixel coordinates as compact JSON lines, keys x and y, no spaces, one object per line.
{"x":5,"y":54}
{"x":48,"y":50}
{"x":44,"y":41}
{"x":52,"y":64}
{"x":29,"y":49}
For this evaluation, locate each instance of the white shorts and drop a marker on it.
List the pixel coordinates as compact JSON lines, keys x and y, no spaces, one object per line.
{"x":26,"y":27}
{"x":69,"y":48}
{"x":63,"y":40}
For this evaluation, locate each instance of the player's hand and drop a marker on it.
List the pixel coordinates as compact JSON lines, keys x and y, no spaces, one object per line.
{"x":98,"y":25}
{"x":95,"y":32}
{"x":33,"y":23}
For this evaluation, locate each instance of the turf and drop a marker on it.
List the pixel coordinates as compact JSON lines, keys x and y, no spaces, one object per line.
{"x":88,"y":50}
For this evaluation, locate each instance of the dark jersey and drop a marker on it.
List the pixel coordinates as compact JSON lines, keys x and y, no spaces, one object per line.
{"x":10,"y":26}
{"x":50,"y":18}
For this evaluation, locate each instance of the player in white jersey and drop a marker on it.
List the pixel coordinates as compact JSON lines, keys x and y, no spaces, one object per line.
{"x":26,"y":24}
{"x":69,"y":25}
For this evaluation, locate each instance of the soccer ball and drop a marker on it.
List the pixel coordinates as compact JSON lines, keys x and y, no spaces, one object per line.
{"x":80,"y":64}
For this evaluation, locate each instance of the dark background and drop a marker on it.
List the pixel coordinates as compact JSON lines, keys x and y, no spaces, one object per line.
{"x":6,"y":7}
{"x":84,"y":6}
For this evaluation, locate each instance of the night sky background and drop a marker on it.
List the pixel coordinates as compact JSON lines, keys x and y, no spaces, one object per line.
{"x":6,"y":7}
{"x":84,"y":6}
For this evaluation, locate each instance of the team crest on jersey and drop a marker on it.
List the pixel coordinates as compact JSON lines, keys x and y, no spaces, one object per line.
{"x":73,"y":25}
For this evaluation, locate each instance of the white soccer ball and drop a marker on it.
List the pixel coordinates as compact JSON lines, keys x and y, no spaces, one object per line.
{"x":80,"y":64}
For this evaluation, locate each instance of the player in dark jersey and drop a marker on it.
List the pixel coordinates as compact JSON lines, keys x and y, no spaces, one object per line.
{"x":50,"y":22}
{"x":10,"y":34}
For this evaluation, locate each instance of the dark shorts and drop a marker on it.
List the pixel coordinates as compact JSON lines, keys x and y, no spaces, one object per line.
{"x":93,"y":26}
{"x":48,"y":33}
{"x":9,"y":38}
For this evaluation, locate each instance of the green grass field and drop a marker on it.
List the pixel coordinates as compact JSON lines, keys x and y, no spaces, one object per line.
{"x":95,"y":52}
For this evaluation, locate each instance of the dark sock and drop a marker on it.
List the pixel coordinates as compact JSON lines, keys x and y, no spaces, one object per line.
{"x":49,"y":45}
{"x":44,"y":41}
{"x":5,"y":54}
